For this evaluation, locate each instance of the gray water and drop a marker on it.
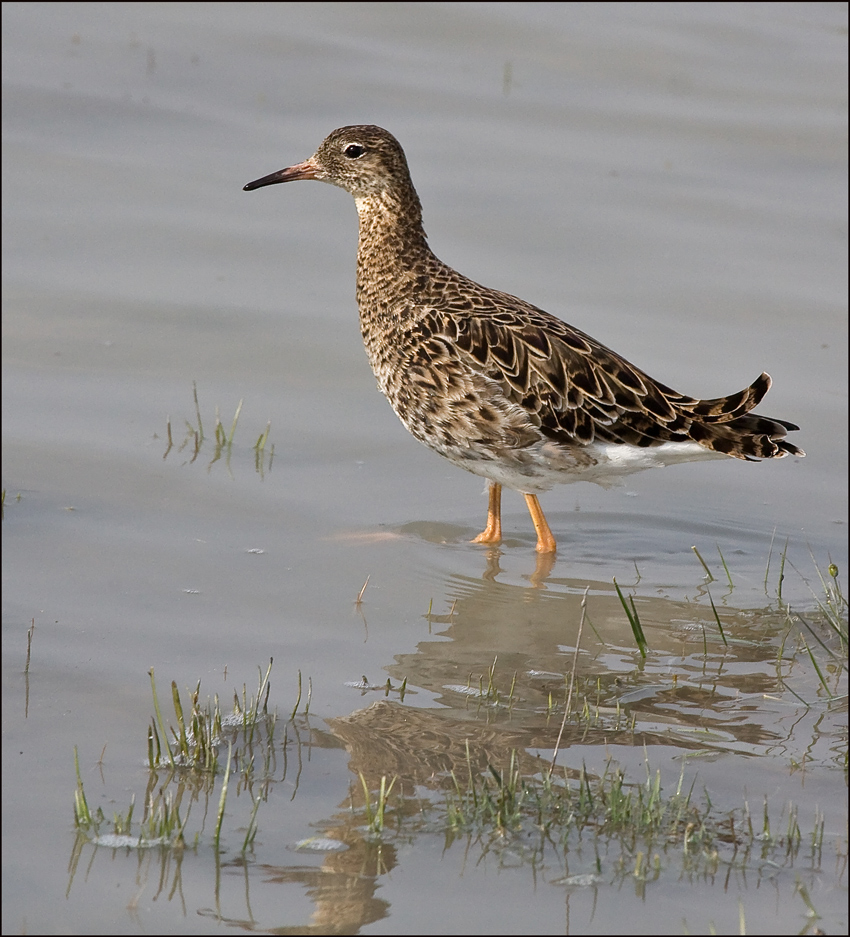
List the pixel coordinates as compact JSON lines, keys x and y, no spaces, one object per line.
{"x":670,"y":178}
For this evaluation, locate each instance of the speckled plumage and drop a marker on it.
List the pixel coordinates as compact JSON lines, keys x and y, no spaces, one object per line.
{"x":491,"y":382}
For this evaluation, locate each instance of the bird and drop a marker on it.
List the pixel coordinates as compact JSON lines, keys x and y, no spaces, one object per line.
{"x":496,"y":385}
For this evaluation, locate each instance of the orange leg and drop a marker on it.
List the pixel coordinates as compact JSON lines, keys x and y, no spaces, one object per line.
{"x":492,"y":533}
{"x":545,"y":540}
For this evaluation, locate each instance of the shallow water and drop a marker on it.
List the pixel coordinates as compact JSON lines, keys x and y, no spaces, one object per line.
{"x":670,"y":178}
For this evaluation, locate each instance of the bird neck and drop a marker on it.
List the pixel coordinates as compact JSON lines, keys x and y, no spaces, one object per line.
{"x":393,"y":252}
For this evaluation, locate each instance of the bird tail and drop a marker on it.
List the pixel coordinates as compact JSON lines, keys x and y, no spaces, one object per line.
{"x":723,"y":409}
{"x":750,"y":437}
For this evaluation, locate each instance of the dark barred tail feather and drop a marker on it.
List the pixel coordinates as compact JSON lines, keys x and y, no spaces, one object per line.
{"x":751,"y":437}
{"x":726,"y":425}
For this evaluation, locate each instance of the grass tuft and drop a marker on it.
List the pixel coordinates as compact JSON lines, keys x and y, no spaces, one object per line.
{"x":376,"y":814}
{"x":194,"y":437}
{"x":188,"y":751}
{"x":634,"y":620}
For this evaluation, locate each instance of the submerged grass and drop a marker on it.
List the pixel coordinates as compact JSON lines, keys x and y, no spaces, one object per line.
{"x":188,"y":750}
{"x":194,"y":438}
{"x":614,"y":828}
{"x":634,"y":621}
{"x":160,"y":825}
{"x":375,"y":814}
{"x":649,"y":828}
{"x":511,"y":807}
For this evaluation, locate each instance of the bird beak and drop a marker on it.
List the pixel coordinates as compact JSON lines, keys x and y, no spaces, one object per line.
{"x":305,"y":170}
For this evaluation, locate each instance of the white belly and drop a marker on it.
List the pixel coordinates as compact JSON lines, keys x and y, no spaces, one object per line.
{"x":603,"y":464}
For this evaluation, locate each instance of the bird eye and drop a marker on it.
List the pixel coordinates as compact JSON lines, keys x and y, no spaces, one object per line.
{"x":354,"y":151}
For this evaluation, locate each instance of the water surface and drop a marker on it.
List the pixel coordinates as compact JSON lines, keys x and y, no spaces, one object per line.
{"x":670,"y":178}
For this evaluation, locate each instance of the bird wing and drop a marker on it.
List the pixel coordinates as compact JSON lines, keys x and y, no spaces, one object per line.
{"x":577,"y":391}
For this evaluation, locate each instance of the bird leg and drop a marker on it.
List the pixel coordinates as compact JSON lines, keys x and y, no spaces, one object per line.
{"x":492,"y":533}
{"x":545,"y":540}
